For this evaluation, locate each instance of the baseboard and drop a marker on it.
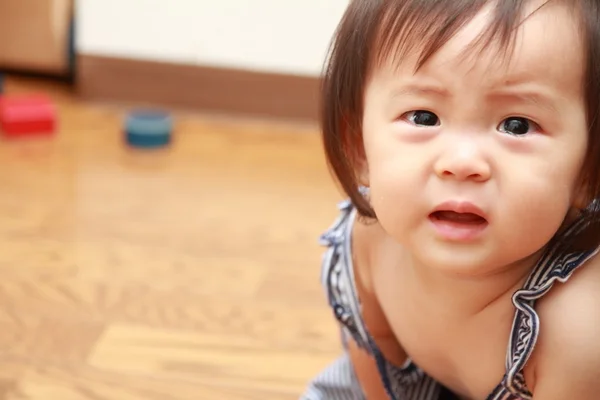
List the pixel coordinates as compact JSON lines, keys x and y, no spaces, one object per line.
{"x":201,"y":88}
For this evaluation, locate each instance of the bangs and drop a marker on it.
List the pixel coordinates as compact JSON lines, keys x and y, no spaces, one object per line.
{"x":424,"y":26}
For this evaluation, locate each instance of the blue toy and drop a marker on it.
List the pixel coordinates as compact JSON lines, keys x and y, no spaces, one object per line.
{"x":148,"y":128}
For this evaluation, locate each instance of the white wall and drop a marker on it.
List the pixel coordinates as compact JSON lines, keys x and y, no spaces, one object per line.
{"x":288,"y":36}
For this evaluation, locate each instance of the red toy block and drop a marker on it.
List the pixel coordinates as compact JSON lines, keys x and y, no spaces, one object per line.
{"x":27,"y":115}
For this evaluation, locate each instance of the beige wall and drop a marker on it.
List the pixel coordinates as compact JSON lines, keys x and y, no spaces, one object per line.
{"x":281,"y":36}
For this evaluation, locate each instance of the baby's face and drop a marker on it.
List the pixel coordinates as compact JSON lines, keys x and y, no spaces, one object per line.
{"x":504,"y":140}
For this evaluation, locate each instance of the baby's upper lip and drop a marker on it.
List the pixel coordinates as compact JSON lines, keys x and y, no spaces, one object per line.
{"x":461,"y":206}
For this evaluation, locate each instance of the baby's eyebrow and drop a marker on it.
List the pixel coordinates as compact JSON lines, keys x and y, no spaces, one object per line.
{"x":420,"y":90}
{"x":537,"y":98}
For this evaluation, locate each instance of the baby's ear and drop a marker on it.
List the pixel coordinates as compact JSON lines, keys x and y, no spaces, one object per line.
{"x":362,"y":171}
{"x":581,"y":196}
{"x":355,"y":151}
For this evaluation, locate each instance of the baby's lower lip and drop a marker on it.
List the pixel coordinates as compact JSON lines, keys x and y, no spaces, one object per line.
{"x":458,"y":227}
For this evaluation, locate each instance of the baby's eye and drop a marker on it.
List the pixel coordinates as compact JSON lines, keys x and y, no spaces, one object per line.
{"x":422,"y":118}
{"x":517,"y":126}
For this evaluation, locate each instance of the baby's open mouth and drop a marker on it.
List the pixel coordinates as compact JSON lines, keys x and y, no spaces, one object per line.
{"x":458,"y":218}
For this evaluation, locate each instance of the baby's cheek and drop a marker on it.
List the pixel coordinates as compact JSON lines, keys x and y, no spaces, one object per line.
{"x":541,"y":207}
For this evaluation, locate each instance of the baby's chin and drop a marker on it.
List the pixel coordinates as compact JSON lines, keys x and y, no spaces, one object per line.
{"x":472,"y":262}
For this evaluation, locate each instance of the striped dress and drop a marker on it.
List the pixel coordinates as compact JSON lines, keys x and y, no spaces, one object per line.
{"x":408,"y":381}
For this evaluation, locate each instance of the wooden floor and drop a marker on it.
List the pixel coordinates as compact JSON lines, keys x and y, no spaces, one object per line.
{"x":189,"y":273}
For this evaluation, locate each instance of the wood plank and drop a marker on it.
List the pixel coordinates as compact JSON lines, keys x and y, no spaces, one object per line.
{"x":227,"y":360}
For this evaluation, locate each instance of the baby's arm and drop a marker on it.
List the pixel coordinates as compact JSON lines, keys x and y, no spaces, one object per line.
{"x":364,"y":244}
{"x":566,"y":361}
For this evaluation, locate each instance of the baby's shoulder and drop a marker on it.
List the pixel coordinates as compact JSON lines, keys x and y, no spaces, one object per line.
{"x":573,"y":305}
{"x":567,"y":353}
